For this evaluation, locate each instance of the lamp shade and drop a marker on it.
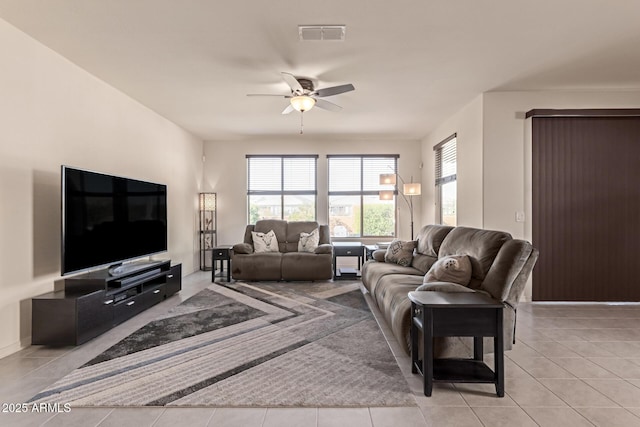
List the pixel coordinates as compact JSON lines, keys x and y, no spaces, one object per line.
{"x":386,"y":195}
{"x":207,"y":201}
{"x":388,"y":179}
{"x":303,"y":103}
{"x":412,"y":189}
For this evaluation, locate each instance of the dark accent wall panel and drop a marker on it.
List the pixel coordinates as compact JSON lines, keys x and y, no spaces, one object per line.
{"x":586,"y":208}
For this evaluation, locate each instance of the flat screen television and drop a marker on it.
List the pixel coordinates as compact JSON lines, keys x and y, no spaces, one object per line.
{"x":109,"y":219}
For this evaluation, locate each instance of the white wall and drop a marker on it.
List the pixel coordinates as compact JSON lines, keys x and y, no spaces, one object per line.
{"x":53,"y":113}
{"x":226,"y":174}
{"x":467,"y":124}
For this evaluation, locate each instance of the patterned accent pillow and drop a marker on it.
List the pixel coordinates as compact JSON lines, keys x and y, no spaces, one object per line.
{"x":309,"y":241}
{"x":454,"y":269}
{"x":400,"y":252}
{"x":265,"y":242}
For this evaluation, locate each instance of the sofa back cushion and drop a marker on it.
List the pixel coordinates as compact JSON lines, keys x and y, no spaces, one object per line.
{"x":278,"y":226}
{"x":294,"y":228}
{"x":481,"y":246}
{"x":429,"y":239}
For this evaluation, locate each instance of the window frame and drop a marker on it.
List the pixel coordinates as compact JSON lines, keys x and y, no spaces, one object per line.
{"x":442,"y":180}
{"x":282,"y":192}
{"x":362,"y":193}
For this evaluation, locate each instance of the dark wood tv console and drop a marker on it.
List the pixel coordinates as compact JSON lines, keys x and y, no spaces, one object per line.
{"x":88,"y":305}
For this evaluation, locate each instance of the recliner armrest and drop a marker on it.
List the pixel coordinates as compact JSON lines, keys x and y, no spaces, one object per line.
{"x":378,"y":255}
{"x":242,"y":248}
{"x":325,"y":248}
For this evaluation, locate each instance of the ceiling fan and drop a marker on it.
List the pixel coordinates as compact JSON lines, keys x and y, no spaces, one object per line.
{"x":304,"y":96}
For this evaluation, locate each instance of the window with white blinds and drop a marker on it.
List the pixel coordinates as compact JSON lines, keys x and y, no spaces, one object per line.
{"x":281,"y":187}
{"x":355,"y":209}
{"x":446,"y":175}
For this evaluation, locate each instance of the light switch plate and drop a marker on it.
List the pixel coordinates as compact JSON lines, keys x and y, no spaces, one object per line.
{"x":519,"y":216}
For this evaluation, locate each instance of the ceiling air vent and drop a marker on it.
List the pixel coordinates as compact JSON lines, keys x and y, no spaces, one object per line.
{"x":322,"y":32}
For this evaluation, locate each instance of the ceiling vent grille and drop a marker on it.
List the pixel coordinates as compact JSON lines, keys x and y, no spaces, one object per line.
{"x":322,"y":32}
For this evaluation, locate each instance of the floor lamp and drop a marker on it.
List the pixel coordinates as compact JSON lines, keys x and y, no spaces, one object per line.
{"x":408,"y":191}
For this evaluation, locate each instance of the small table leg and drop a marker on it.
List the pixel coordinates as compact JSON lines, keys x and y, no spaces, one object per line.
{"x":427,"y":357}
{"x":414,"y":341}
{"x":228,"y":269}
{"x":498,"y":350}
{"x":478,"y":348}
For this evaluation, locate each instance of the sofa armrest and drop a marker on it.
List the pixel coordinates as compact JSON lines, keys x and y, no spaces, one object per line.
{"x":378,"y":255}
{"x":242,"y":248}
{"x":325,"y":248}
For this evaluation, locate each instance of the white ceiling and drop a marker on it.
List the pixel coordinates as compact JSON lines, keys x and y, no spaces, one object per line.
{"x":413,"y":62}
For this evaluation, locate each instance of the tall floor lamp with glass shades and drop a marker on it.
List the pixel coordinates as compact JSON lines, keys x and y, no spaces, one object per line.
{"x":208,"y":225}
{"x":408,"y":191}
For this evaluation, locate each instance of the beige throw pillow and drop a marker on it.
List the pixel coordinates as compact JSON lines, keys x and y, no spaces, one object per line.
{"x":309,"y":241}
{"x":265,"y":242}
{"x":400,"y":252}
{"x":454,"y":269}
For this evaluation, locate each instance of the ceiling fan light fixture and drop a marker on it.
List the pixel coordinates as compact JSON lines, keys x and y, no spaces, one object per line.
{"x":302,"y":103}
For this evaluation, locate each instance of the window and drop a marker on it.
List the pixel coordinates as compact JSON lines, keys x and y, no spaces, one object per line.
{"x":281,"y":187}
{"x":355,"y":209}
{"x":446,"y":192}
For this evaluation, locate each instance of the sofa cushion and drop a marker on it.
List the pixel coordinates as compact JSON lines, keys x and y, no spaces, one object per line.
{"x":481,"y":246}
{"x":373,"y":271}
{"x":262,"y":266}
{"x":454,"y":269}
{"x":443,"y":287}
{"x":430,"y":238}
{"x":308,"y":241}
{"x":278,"y":226}
{"x":423,"y":262}
{"x":265,"y":242}
{"x":400,"y":252}
{"x":306,"y":266}
{"x":391,"y":298}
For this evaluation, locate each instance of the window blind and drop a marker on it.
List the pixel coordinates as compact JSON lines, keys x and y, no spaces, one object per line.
{"x":446,"y":161}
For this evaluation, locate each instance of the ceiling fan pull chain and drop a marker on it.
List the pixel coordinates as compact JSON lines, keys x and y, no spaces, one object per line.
{"x":301,"y":123}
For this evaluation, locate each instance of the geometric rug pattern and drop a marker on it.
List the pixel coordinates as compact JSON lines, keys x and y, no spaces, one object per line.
{"x":261,"y":344}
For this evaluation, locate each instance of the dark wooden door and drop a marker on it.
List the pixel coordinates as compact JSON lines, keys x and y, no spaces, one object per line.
{"x":586,"y":208}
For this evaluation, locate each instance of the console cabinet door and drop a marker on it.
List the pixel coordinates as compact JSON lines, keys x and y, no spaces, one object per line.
{"x":174,"y":280}
{"x":95,"y":315}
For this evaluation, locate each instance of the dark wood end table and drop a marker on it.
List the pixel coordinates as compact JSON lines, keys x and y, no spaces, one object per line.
{"x":222,"y":254}
{"x":354,"y":249}
{"x":461,"y":314}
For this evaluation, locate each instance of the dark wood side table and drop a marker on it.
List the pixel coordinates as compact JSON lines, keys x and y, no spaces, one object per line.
{"x":354,"y":249}
{"x":222,"y":254}
{"x":462,"y":314}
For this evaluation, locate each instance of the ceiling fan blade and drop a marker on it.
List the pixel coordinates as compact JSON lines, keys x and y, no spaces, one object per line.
{"x":268,"y":94}
{"x":288,"y":110}
{"x":326,"y":105}
{"x":293,"y":83}
{"x":335,"y":90}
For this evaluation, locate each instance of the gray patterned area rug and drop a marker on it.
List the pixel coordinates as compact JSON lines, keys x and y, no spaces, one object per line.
{"x":247,"y":344}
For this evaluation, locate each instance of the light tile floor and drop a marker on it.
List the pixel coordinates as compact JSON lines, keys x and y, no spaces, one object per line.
{"x":572,"y":365}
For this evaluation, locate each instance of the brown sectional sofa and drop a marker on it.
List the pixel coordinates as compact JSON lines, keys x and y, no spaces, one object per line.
{"x":500,"y":268}
{"x":288,"y":263}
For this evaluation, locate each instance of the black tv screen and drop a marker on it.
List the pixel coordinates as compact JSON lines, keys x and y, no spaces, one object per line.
{"x":108,"y":219}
